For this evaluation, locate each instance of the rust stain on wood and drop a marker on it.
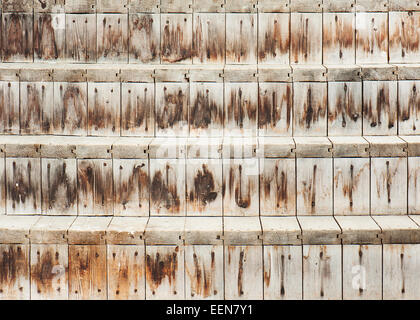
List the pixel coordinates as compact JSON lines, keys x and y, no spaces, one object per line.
{"x":271,"y":107}
{"x":22,"y":188}
{"x":375,"y":38}
{"x":280,"y":182}
{"x":240,"y":41}
{"x":164,"y":193}
{"x":44,"y":272}
{"x":176,"y":41}
{"x":340,"y":38}
{"x":411,"y":108}
{"x":144,"y":38}
{"x":112,"y":37}
{"x":103,"y":114}
{"x":309,"y":191}
{"x":81,"y":37}
{"x":138,"y":110}
{"x":17,"y":37}
{"x":345,"y":107}
{"x":313,"y":111}
{"x":13,"y":265}
{"x":374,"y":112}
{"x":46,"y":42}
{"x":9,"y":108}
{"x":204,"y":190}
{"x":202,"y":278}
{"x":61,"y":188}
{"x":158,"y":268}
{"x":174,"y":109}
{"x":240,"y":107}
{"x":406,"y":35}
{"x":205,"y":111}
{"x":70,"y":114}
{"x":242,"y":197}
{"x":275,"y":41}
{"x":209,"y":39}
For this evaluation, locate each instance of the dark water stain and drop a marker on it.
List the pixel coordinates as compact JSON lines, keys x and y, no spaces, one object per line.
{"x":163,"y":193}
{"x":126,"y":274}
{"x":240,"y":108}
{"x":209,"y":42}
{"x":342,"y":37}
{"x":383,"y":108}
{"x":9,"y":113}
{"x":350,"y":183}
{"x":402,"y":273}
{"x":412,"y":107}
{"x":202,"y":277}
{"x":72,"y":115}
{"x":31,"y":118}
{"x":142,"y":28}
{"x":313,"y":111}
{"x":45,"y":42}
{"x":325,"y":269}
{"x":22,"y":188}
{"x":274,"y":43}
{"x":17,"y":41}
{"x":344,"y":108}
{"x":270,"y":108}
{"x":309,"y":191}
{"x":205,"y":111}
{"x":204,"y":188}
{"x":241,"y":272}
{"x":61,"y":190}
{"x":173,"y":110}
{"x":159,"y":267}
{"x":81,"y":38}
{"x":176,"y":44}
{"x":95,"y":183}
{"x":136,"y":184}
{"x":13,"y":266}
{"x":113,"y":42}
{"x":138,"y":110}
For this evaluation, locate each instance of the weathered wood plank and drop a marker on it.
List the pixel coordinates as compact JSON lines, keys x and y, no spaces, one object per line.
{"x":172,"y":102}
{"x":126,"y":272}
{"x":241,"y":40}
{"x":81,"y":38}
{"x":138,"y":105}
{"x":23,"y":183}
{"x":388,"y":184}
{"x":275,"y":109}
{"x":59,"y":186}
{"x":241,"y":107}
{"x":310,"y":108}
{"x":112,"y":38}
{"x":49,"y":272}
{"x":9,"y":107}
{"x":322,"y":272}
{"x":278,"y":187}
{"x":14,"y":272}
{"x":70,"y":108}
{"x":400,"y":271}
{"x":371,"y":37}
{"x":37,"y":105}
{"x":306,"y":38}
{"x":167,"y":194}
{"x":204,"y":187}
{"x":274,"y":38}
{"x":240,"y":187}
{"x":164,"y":272}
{"x":339,"y":38}
{"x":104,"y":109}
{"x":95,"y":190}
{"x":362,"y":272}
{"x":144,"y":38}
{"x":87,"y":272}
{"x":282,"y":272}
{"x":206,"y":111}
{"x":243,"y":272}
{"x":131,"y":184}
{"x":380,"y":107}
{"x":351,"y":186}
{"x":176,"y":38}
{"x":209,"y":38}
{"x":49,"y":36}
{"x":314,"y":186}
{"x":344,"y":108}
{"x":204,"y":272}
{"x":414,"y":185}
{"x":17,"y":31}
{"x":404,"y":37}
{"x":408,"y":107}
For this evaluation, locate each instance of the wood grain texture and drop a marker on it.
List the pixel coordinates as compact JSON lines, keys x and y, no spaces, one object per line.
{"x":144,"y":38}
{"x":126,"y":272}
{"x":81,"y":38}
{"x":17,"y":31}
{"x":404,"y":37}
{"x":273,"y":38}
{"x":408,"y":107}
{"x":176,"y":38}
{"x":9,"y":107}
{"x":49,"y":36}
{"x":241,"y":40}
{"x":306,"y":38}
{"x":87,"y":272}
{"x":112,"y":38}
{"x":413,"y":185}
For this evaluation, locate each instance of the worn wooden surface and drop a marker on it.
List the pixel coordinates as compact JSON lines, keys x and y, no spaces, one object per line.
{"x":306,"y":38}
{"x":273,"y":38}
{"x":144,"y":38}
{"x":80,"y":38}
{"x":408,"y":107}
{"x":241,"y":40}
{"x":112,"y":38}
{"x":9,"y":107}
